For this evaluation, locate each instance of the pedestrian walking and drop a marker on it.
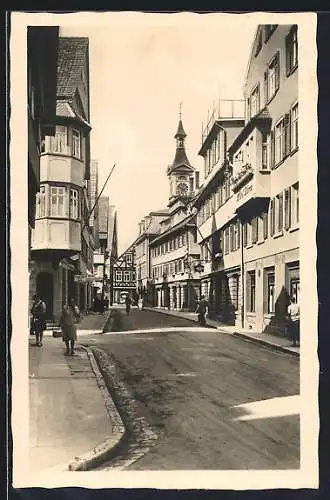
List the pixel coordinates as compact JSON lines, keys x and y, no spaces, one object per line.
{"x":140,"y":303}
{"x":70,"y":316}
{"x":293,"y":319}
{"x":202,"y":310}
{"x":128,"y":302}
{"x":38,"y":312}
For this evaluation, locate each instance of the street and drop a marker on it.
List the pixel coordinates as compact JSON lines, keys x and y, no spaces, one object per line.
{"x":180,"y":392}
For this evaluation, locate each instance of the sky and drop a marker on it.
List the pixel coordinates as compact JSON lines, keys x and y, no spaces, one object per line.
{"x":141,"y":68}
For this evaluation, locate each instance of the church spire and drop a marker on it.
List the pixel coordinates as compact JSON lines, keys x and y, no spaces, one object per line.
{"x":181,"y":172}
{"x":180,"y":134}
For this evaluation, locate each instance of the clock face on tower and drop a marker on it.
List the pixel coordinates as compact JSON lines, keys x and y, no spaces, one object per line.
{"x":182,"y":189}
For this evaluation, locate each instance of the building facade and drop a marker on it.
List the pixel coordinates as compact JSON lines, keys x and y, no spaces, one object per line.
{"x":93,"y":187}
{"x":107,"y":252}
{"x":42,"y":47}
{"x":256,"y":227}
{"x":124,"y":276}
{"x":149,"y":228}
{"x":174,"y":252}
{"x":62,"y":241}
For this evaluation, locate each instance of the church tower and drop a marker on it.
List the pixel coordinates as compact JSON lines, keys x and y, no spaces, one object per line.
{"x":181,"y":173}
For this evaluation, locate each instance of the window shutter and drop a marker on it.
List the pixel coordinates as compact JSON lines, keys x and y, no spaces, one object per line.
{"x":287,"y":131}
{"x":272,"y":149}
{"x":238,"y":234}
{"x":245,"y":234}
{"x":272,"y":217}
{"x":265,"y":224}
{"x":287,"y":54}
{"x":287,"y":206}
{"x":277,"y":72}
{"x":266,"y":87}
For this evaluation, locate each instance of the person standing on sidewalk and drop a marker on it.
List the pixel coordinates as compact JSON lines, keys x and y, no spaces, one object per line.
{"x":293,"y":321}
{"x":202,"y":310}
{"x":70,"y":316}
{"x":128,"y":302}
{"x":38,"y":312}
{"x":140,"y":303}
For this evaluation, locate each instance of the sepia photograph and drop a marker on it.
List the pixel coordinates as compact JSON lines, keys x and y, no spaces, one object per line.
{"x":164,"y":223}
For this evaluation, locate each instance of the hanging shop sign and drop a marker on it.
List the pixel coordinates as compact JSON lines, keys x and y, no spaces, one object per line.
{"x":83,"y":278}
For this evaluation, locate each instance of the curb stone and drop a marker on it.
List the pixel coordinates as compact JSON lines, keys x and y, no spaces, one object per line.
{"x":264,"y":342}
{"x":236,"y":334}
{"x":100,"y":452}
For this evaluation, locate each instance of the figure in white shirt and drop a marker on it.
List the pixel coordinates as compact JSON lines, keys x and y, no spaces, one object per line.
{"x":293,"y":321}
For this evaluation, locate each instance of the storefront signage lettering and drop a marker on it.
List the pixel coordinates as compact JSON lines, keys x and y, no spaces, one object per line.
{"x":244,"y":191}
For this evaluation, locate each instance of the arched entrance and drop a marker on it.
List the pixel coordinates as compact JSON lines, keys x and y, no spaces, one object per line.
{"x":45,"y":290}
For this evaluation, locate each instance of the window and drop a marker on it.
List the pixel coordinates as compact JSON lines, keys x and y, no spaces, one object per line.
{"x":273,"y":77}
{"x":76,"y":143}
{"x":264,"y":164}
{"x":74,"y":204}
{"x":129,"y":258}
{"x":119,"y":275}
{"x":287,"y":208}
{"x":251,"y":291}
{"x":57,"y":201}
{"x":295,"y":289}
{"x":59,"y":143}
{"x":232,"y":244}
{"x":41,"y":203}
{"x":295,"y":204}
{"x":260,"y":228}
{"x":245,"y":234}
{"x":236,"y":236}
{"x":269,"y":30}
{"x":126,"y":276}
{"x":270,"y":290}
{"x":226,"y":240}
{"x":255,"y":102}
{"x":294,"y":127}
{"x":291,"y":50}
{"x":279,"y":141}
{"x":254,"y":224}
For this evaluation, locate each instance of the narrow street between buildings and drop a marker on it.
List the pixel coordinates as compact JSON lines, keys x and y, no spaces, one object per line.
{"x":196,"y":398}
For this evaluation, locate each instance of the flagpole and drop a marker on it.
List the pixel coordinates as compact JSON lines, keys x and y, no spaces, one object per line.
{"x":98,"y":197}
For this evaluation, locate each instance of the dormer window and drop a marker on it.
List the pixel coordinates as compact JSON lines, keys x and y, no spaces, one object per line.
{"x":76,"y":143}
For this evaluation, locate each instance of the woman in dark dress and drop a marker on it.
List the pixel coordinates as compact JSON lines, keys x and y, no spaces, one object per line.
{"x":38,"y":325}
{"x":70,"y":316}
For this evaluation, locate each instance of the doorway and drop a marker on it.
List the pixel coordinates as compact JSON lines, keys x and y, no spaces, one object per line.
{"x":45,"y":290}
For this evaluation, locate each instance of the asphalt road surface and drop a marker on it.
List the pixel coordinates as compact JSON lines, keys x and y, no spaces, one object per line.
{"x":199,"y":399}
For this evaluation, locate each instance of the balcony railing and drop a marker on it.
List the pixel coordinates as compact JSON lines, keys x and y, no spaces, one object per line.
{"x":244,"y":174}
{"x":224,"y":109}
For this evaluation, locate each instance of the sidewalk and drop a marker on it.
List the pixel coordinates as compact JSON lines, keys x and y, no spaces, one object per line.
{"x":68,"y":413}
{"x":274,"y":341}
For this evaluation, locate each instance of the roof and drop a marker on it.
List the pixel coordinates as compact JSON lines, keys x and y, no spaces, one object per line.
{"x":183,"y":223}
{"x":65,"y":110}
{"x":180,"y":132}
{"x":72,"y":53}
{"x":180,"y":159}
